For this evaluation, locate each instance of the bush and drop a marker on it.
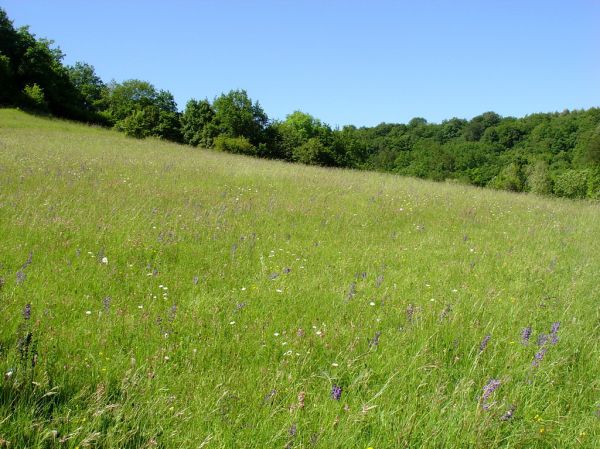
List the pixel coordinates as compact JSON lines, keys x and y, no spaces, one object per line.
{"x":572,"y":183}
{"x":237,"y":145}
{"x":538,"y":178}
{"x":34,"y":98}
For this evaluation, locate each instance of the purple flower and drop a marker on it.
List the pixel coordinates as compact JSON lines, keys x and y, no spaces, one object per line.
{"x":484,"y":343}
{"x":488,"y":389}
{"x":293,"y":430}
{"x":21,"y":276}
{"x":410,"y":312}
{"x":106,"y":301}
{"x":542,"y":339}
{"x":336,"y":392}
{"x":525,"y":335}
{"x":27,"y":311}
{"x":554,"y":332}
{"x":539,"y":356}
{"x":375,"y":340}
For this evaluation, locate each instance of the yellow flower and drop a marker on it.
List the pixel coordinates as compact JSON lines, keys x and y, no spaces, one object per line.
{"x":542,"y":430}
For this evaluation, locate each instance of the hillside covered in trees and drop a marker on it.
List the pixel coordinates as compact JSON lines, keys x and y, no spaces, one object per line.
{"x":544,"y":153}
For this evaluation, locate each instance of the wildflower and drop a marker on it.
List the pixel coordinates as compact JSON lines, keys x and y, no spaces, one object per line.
{"x":105,"y":260}
{"x":484,"y":343}
{"x":292,"y":430}
{"x":375,"y":340}
{"x":539,"y":356}
{"x":488,"y":389}
{"x":301,"y":397}
{"x":554,"y":332}
{"x":410,"y":312}
{"x":335,"y":365}
{"x":21,"y":276}
{"x":509,"y":413}
{"x":88,"y":312}
{"x":106,"y":302}
{"x":371,"y":303}
{"x":351,"y":291}
{"x":232,"y":322}
{"x":542,"y":339}
{"x":336,"y":392}
{"x":270,"y":395}
{"x":525,"y":335}
{"x":27,"y":311}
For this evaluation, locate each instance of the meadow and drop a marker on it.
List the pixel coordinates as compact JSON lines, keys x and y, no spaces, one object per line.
{"x":154,"y":295}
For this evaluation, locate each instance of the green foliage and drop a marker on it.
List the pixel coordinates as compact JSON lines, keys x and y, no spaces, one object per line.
{"x":572,"y":183}
{"x":539,"y":180}
{"x":138,"y":109}
{"x":237,"y":116}
{"x":488,"y":150}
{"x":511,"y":177}
{"x":593,"y":148}
{"x":90,"y":86}
{"x":197,"y":123}
{"x":34,"y":98}
{"x":236,"y":145}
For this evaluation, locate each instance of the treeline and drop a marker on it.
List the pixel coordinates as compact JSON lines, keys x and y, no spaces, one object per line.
{"x":546,"y":153}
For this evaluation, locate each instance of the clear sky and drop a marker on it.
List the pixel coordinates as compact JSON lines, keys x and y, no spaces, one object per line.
{"x":345,"y":62}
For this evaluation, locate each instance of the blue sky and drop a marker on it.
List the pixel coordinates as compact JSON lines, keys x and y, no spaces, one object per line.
{"x":346,"y":62}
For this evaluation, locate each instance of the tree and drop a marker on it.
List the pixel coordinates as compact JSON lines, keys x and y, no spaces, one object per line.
{"x":197,"y":123}
{"x":538,"y":178}
{"x":237,"y":116}
{"x":593,"y":148}
{"x":90,"y":86}
{"x":138,"y":109}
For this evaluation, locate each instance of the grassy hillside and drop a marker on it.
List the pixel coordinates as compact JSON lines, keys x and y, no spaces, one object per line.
{"x":155,"y":295}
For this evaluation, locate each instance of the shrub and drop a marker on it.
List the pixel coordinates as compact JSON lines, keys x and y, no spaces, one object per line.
{"x":34,"y":98}
{"x":237,"y":145}
{"x":572,"y":183}
{"x":538,"y":178}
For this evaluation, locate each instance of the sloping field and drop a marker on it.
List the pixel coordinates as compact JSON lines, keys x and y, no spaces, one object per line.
{"x":155,"y":295}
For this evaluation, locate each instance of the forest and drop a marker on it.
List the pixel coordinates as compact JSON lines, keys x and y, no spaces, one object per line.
{"x":555,"y":153}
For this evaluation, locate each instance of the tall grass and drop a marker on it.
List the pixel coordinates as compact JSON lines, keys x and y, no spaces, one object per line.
{"x":155,"y":295}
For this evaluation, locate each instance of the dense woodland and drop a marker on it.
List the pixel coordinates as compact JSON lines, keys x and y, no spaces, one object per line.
{"x":545,"y":153}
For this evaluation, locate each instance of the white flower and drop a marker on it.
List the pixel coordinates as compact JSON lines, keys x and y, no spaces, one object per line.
{"x":105,"y":260}
{"x":276,"y":334}
{"x":335,"y":365}
{"x":279,"y":290}
{"x":88,"y":312}
{"x":232,"y":322}
{"x":371,"y":303}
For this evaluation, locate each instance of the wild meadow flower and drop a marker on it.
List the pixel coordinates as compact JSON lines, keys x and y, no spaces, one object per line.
{"x":336,"y":392}
{"x":410,"y":312}
{"x":538,"y":357}
{"x":488,"y":389}
{"x":106,"y":302}
{"x":484,"y":343}
{"x":21,"y":276}
{"x":554,"y":332}
{"x":507,"y":416}
{"x":542,"y":339}
{"x":351,"y":291}
{"x":28,"y":261}
{"x":27,"y":311}
{"x":525,"y":335}
{"x":375,"y":340}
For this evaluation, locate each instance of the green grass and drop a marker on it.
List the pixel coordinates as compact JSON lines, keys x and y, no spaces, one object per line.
{"x":218,"y":356}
